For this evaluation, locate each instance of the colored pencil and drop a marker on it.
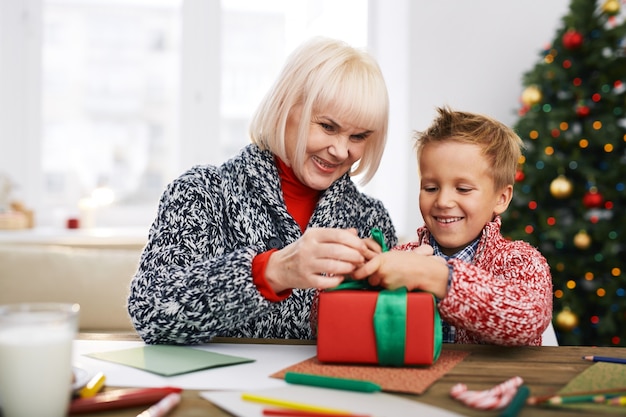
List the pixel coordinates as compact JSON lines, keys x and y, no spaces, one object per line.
{"x":604,"y":359}
{"x":331,"y":382}
{"x":94,"y":386}
{"x":617,"y":400}
{"x":543,"y":398}
{"x":279,"y":402}
{"x":163,"y":407}
{"x":597,"y":398}
{"x":300,"y":413}
{"x":120,"y":398}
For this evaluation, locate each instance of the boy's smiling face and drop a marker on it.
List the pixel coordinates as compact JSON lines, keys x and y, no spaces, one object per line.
{"x":457,"y":196}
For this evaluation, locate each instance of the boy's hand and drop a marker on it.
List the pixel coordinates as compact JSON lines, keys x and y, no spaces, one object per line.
{"x":417,"y":270}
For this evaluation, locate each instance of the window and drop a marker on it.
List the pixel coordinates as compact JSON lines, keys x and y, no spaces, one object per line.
{"x":109,"y":101}
{"x":112,"y":83}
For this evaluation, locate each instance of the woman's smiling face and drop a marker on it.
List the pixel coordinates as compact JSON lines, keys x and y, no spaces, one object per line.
{"x":333,"y":145}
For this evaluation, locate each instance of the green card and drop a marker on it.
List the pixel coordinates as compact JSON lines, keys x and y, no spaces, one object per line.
{"x":598,"y":376}
{"x":169,"y":360}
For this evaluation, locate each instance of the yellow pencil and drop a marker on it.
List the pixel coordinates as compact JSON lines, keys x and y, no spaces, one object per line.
{"x":92,"y":387}
{"x":290,"y":404}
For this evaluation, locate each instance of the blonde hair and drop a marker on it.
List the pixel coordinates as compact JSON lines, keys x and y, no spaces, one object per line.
{"x":500,"y":144}
{"x":326,"y":74}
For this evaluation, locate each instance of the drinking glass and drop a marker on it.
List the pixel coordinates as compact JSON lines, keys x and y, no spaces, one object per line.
{"x":36,"y":358}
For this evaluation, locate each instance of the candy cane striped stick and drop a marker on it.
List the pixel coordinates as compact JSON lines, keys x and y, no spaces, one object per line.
{"x":492,"y":399}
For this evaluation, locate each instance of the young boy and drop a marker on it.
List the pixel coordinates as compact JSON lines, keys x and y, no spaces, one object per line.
{"x":489,"y":289}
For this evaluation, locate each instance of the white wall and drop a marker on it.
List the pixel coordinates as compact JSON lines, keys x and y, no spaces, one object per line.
{"x":470,"y":55}
{"x":392,"y":49}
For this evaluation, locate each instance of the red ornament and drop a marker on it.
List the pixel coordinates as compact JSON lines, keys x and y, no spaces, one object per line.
{"x":572,"y":39}
{"x":593,"y":199}
{"x":582,"y":111}
{"x":523,"y":110}
{"x":519,"y":175}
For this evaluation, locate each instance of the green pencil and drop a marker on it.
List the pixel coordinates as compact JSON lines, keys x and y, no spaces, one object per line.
{"x":331,"y":382}
{"x":545,"y":398}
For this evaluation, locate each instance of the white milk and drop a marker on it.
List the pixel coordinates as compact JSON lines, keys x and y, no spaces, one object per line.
{"x":36,"y":369}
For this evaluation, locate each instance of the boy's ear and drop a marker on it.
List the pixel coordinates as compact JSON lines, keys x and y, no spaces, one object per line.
{"x":504,"y":199}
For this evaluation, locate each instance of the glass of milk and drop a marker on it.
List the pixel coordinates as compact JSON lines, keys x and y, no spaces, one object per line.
{"x":36,"y":358}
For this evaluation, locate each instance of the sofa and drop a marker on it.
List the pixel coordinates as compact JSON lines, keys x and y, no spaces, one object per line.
{"x":97,"y":278}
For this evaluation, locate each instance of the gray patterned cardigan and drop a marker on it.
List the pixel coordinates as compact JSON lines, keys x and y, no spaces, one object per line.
{"x":194,"y":279}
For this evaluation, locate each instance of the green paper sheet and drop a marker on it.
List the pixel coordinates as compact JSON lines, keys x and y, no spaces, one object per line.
{"x":601,"y":375}
{"x":168,"y":360}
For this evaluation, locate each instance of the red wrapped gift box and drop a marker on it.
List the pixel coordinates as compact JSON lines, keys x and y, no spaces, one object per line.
{"x":346,"y":332}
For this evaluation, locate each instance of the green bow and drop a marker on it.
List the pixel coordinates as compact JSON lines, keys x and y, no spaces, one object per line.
{"x":390,"y":317}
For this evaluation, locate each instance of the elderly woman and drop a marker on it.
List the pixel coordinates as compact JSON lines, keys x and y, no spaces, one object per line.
{"x":241,"y":249}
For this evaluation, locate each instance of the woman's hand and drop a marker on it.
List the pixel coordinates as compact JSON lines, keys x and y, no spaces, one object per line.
{"x":321,"y":258}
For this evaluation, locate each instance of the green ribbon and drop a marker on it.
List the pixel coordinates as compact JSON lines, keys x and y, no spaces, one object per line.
{"x":390,"y":316}
{"x":438,"y":334}
{"x":390,"y":326}
{"x":379,"y":237}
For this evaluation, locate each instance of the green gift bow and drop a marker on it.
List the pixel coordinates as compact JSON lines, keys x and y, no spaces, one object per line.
{"x":390,"y":317}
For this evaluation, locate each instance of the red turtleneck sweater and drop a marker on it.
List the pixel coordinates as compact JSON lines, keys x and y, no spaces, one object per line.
{"x":300,"y":201}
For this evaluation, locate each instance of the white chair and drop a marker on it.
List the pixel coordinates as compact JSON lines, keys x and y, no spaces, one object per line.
{"x":549,"y":336}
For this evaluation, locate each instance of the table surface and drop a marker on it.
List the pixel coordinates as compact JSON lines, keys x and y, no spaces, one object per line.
{"x":545,"y":369}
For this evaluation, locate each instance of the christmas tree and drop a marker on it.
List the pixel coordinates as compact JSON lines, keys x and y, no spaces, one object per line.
{"x":570,"y":193}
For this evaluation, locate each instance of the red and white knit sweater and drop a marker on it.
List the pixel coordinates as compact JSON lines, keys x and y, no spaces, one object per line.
{"x":503,"y":297}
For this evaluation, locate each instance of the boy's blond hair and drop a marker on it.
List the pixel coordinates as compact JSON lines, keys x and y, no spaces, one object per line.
{"x":500,"y":144}
{"x":326,"y":75}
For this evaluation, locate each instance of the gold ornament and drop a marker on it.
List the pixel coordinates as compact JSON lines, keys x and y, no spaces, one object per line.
{"x":611,"y":7}
{"x":566,"y":320}
{"x":531,"y":95}
{"x":561,"y":187}
{"x":582,"y":240}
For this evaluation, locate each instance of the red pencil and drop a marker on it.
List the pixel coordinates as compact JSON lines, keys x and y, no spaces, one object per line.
{"x":120,"y":398}
{"x":300,"y":413}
